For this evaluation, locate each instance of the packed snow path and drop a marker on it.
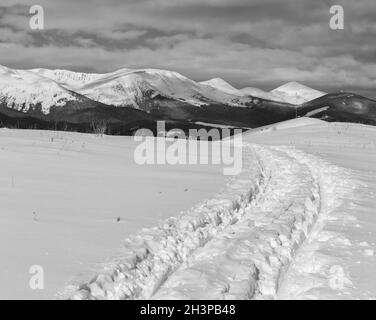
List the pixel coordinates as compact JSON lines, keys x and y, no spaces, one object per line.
{"x":250,"y":259}
{"x":338,"y":259}
{"x":242,"y":244}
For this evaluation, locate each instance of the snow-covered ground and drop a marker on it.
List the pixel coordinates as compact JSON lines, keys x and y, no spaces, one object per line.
{"x":298,"y":222}
{"x":338,"y":260}
{"x":62,"y":193}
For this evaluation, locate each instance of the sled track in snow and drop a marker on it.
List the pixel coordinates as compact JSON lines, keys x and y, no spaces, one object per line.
{"x":237,"y":245}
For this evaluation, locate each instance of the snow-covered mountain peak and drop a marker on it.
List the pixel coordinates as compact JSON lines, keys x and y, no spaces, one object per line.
{"x":222,"y":85}
{"x":139,"y":88}
{"x":133,"y":87}
{"x":297,"y":93}
{"x":24,"y":90}
{"x":293,"y":86}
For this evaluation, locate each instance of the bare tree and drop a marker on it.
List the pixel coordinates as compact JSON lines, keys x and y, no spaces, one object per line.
{"x":99,"y":127}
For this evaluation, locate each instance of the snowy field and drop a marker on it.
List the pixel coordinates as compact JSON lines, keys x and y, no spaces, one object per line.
{"x":297,"y":223}
{"x":62,"y":194}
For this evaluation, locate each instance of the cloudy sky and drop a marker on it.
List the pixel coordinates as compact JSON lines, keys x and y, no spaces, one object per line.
{"x":260,"y":43}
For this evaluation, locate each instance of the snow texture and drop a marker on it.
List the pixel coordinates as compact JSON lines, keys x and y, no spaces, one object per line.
{"x":297,"y":223}
{"x":258,"y":240}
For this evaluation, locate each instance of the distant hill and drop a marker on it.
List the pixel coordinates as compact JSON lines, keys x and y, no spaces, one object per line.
{"x":343,"y":107}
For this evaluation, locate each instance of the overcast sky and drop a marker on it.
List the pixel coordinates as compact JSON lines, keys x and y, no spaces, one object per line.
{"x":260,"y":43}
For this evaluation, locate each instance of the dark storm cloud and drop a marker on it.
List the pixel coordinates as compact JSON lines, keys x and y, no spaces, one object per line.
{"x":247,"y":42}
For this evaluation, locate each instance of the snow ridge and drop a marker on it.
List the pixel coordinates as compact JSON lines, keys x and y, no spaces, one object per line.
{"x":68,"y":79}
{"x":221,"y":84}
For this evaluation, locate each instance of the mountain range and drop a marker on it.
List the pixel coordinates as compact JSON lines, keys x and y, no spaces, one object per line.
{"x":123,"y":101}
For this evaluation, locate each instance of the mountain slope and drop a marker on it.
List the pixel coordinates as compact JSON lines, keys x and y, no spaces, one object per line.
{"x":136,"y":88}
{"x":348,"y":107}
{"x":222,"y":85}
{"x":296,"y":93}
{"x":24,"y":91}
{"x":68,"y":79}
{"x":292,"y":92}
{"x":255,"y":92}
